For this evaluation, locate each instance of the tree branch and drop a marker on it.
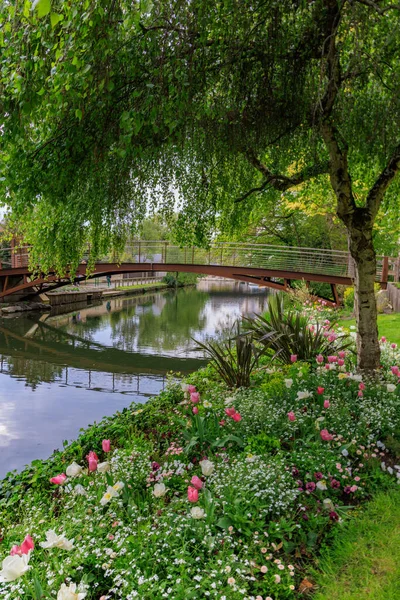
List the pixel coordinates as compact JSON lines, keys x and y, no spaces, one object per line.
{"x":280,"y":182}
{"x":376,"y":193}
{"x":378,"y":9}
{"x":339,"y":172}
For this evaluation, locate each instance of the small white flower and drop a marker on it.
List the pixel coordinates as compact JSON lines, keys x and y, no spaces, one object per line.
{"x":56,"y":541}
{"x":345,"y":452}
{"x":321,"y":485}
{"x":159,"y":490}
{"x":288,"y":383}
{"x":390,"y":470}
{"x":197,"y":513}
{"x":110,"y":493}
{"x":207,"y":404}
{"x":391,"y":387}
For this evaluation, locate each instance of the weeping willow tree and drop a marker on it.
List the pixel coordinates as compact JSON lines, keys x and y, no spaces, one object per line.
{"x":110,"y":108}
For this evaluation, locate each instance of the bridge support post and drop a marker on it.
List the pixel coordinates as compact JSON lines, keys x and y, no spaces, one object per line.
{"x":335,"y":294}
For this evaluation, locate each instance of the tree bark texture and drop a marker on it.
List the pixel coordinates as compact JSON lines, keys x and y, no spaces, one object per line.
{"x":362,"y":251}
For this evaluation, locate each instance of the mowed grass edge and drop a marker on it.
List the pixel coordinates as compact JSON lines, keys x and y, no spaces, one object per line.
{"x":364,"y":562}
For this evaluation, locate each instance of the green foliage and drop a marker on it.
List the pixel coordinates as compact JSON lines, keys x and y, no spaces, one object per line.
{"x":286,"y":333}
{"x":91,"y":120}
{"x":348,"y":298}
{"x":175,"y":280}
{"x":233,"y":358}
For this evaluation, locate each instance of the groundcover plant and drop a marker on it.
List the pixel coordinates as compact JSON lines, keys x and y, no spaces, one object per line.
{"x":205,"y":492}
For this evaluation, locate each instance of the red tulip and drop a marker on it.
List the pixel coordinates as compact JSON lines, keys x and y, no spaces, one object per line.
{"x":320,"y":390}
{"x":59,"y":479}
{"x":230,"y":412}
{"x":237,"y":417}
{"x":293,"y":358}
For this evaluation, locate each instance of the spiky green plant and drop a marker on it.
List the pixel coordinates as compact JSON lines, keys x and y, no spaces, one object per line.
{"x":234,"y":357}
{"x":283,"y":333}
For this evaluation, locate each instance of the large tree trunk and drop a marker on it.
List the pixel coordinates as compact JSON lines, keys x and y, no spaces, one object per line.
{"x":362,"y":250}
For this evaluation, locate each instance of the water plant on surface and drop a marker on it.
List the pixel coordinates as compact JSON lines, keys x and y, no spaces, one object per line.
{"x":287,"y":333}
{"x":234,"y":357}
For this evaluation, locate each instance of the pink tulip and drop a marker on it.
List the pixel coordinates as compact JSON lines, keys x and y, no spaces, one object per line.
{"x":383,"y":339}
{"x":361,"y":386}
{"x":59,"y":479}
{"x":230,"y":412}
{"x":332,"y":359}
{"x":92,"y":460}
{"x":293,"y":358}
{"x":106,"y":445}
{"x":320,"y":359}
{"x":326,"y":404}
{"x":15,"y":550}
{"x":325,"y":435}
{"x":395,"y":370}
{"x":320,"y":390}
{"x":222,"y":422}
{"x":327,"y":366}
{"x":291,"y":416}
{"x":340,"y":362}
{"x":393,"y":346}
{"x":195,"y":410}
{"x":193,"y":494}
{"x":191,"y":389}
{"x":196,"y":482}
{"x":237,"y":417}
{"x":27,"y":545}
{"x":194,"y":397}
{"x":342,"y":354}
{"x":360,"y":394}
{"x":332,"y":337}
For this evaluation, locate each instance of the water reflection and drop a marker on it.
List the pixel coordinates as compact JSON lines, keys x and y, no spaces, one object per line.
{"x":60,"y":372}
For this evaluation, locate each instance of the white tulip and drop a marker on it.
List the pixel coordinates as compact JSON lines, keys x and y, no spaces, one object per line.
{"x":79,"y":490}
{"x":207,"y":467}
{"x":103,"y":467}
{"x":303,"y":395}
{"x":328,"y":504}
{"x":390,"y":387}
{"x":288,"y":383}
{"x":197,"y":512}
{"x":73,"y":470}
{"x":70,"y":592}
{"x":13,"y":567}
{"x":56,"y":541}
{"x":159,"y":490}
{"x":184,"y":387}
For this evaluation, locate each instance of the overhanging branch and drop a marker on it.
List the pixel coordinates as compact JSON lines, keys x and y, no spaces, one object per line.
{"x":281,"y":182}
{"x":380,"y":10}
{"x":376,"y":193}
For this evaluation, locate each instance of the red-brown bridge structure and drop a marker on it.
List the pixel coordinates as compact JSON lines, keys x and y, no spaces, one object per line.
{"x":263,"y":264}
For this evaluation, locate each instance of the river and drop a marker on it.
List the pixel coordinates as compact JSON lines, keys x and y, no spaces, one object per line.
{"x":60,"y":372}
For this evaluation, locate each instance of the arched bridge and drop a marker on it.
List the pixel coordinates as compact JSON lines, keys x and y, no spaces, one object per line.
{"x":265,"y":265}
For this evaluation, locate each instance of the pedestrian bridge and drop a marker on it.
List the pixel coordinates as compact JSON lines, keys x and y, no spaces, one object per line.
{"x":262,"y":264}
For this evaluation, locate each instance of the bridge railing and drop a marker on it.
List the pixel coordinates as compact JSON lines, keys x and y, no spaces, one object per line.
{"x":264,"y":256}
{"x":280,"y":258}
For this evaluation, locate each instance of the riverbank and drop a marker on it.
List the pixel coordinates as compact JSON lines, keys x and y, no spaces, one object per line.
{"x":206,"y":492}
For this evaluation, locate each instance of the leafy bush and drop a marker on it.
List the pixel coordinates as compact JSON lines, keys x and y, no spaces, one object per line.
{"x":287,"y":333}
{"x":348,"y":298}
{"x":234,"y":358}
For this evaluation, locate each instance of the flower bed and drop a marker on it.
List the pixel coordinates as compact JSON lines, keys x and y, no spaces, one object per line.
{"x":204,"y":492}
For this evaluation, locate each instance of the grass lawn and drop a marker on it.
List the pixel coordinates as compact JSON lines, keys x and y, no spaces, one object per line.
{"x":388,"y":325}
{"x":364,"y":564}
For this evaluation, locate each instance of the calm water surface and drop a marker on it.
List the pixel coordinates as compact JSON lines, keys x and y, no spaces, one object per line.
{"x":60,"y":372}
